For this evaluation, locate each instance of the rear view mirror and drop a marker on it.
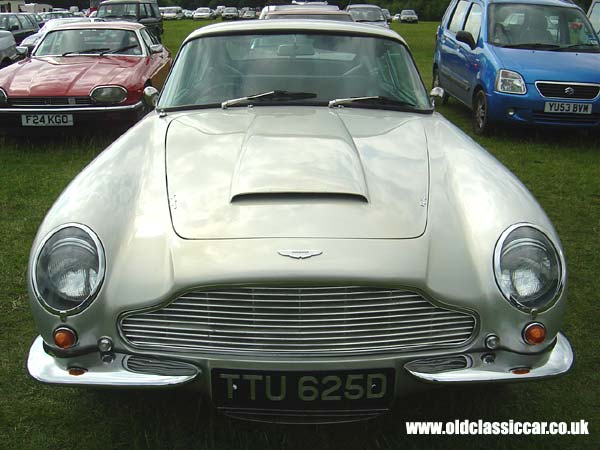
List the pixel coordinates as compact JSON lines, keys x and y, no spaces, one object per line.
{"x":22,"y":51}
{"x":156,"y":48}
{"x":295,"y":50}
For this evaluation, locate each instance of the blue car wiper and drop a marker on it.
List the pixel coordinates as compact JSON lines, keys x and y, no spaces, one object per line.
{"x":532,"y":46}
{"x":580,"y":46}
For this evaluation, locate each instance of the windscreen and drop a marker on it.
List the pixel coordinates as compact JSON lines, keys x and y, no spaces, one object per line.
{"x":89,"y":41}
{"x":535,"y":26}
{"x":211,"y":70}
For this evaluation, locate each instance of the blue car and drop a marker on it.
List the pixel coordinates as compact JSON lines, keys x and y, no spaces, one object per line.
{"x":532,"y":62}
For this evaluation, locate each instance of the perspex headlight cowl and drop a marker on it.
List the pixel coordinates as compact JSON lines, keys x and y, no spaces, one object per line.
{"x":510,"y":82}
{"x":108,"y":94}
{"x":529,"y":270}
{"x":68,"y":269}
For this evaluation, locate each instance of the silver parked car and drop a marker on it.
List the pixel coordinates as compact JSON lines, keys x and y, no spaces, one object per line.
{"x":296,"y":234}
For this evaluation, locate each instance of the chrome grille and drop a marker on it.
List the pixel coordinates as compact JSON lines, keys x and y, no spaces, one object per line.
{"x":577,"y":91}
{"x":152,"y":366}
{"x":298,"y":320}
{"x":50,"y":101}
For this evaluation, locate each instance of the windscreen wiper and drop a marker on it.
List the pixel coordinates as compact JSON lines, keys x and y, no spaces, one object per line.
{"x":574,"y":46}
{"x":270,"y":95}
{"x":89,"y":50}
{"x":533,"y":46}
{"x":118,"y":50}
{"x":376,"y":99}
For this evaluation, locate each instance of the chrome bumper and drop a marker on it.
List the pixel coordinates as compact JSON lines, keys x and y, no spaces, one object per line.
{"x":555,"y":362}
{"x":120,"y":372}
{"x":71,"y":110}
{"x":48,"y":369}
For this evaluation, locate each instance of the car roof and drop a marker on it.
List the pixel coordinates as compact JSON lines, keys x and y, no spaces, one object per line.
{"x":112,"y":2}
{"x":363,"y":5}
{"x":308,"y":11}
{"x":326,"y":26}
{"x":130,"y":26}
{"x":567,"y":3}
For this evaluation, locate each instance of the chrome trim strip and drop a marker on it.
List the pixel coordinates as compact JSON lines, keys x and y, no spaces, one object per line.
{"x":47,"y":369}
{"x":565,"y":83}
{"x":73,"y":110}
{"x":559,"y":360}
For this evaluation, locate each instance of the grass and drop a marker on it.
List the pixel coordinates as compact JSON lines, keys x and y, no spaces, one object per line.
{"x":562,"y":169}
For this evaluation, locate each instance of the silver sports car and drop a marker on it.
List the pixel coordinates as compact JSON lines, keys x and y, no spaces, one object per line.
{"x":296,"y":234}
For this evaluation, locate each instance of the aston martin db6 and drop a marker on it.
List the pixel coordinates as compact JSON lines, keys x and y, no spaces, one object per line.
{"x":297,"y":235}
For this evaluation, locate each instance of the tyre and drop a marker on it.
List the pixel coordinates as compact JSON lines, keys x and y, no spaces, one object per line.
{"x":436,"y":83}
{"x":481,"y":122}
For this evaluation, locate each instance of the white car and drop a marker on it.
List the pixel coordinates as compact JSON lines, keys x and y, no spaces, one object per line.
{"x":8,"y":53}
{"x":408,"y":15}
{"x":203,"y":14}
{"x":173,"y":13}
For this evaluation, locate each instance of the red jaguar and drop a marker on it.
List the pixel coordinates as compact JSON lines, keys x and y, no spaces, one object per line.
{"x":83,"y":74}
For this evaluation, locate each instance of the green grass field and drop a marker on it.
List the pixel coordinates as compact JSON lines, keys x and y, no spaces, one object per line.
{"x":562,"y":169}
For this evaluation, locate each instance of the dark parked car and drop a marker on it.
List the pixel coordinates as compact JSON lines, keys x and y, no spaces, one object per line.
{"x":20,"y":25}
{"x":143,"y":11}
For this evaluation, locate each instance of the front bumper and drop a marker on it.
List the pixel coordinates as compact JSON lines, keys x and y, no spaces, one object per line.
{"x":85,"y":118}
{"x":528,"y":109}
{"x":117,"y":371}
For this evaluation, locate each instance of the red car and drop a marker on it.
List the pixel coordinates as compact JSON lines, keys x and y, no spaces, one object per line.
{"x":81,"y":74}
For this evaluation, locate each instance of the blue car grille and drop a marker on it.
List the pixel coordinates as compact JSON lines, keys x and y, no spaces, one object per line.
{"x":569,"y":91}
{"x":299,"y":320}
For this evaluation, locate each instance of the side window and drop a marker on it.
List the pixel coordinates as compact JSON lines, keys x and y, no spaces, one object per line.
{"x":146,"y":10}
{"x":595,"y":17}
{"x":458,"y":18}
{"x":473,"y":24}
{"x":12,"y":22}
{"x":155,"y":11}
{"x":25,"y":24}
{"x":146,"y":37}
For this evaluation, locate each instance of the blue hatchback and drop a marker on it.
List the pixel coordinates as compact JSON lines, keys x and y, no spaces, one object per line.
{"x":520,"y":62}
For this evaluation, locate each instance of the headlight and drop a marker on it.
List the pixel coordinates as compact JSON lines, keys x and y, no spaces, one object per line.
{"x":510,"y":82}
{"x":528,"y":268}
{"x":108,"y":94}
{"x":3,"y":98}
{"x":68,"y":269}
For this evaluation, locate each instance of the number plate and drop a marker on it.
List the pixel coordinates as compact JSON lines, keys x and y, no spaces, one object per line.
{"x":47,"y":120}
{"x":568,"y":108}
{"x":349,"y":389}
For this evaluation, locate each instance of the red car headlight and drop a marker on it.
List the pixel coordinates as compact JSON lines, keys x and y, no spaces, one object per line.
{"x":108,"y":94}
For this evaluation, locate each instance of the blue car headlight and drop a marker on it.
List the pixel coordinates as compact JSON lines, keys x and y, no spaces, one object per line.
{"x":510,"y":82}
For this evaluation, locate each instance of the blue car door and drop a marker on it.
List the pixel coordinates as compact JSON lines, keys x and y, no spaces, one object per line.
{"x":450,"y":60}
{"x":469,"y":64}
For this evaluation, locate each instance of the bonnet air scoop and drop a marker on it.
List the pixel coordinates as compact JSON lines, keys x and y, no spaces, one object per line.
{"x":280,"y":167}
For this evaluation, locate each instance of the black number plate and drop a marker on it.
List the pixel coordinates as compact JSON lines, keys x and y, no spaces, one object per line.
{"x":373,"y":388}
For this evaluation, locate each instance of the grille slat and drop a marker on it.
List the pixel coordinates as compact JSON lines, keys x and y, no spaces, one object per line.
{"x":283,"y":334}
{"x":148,"y":323}
{"x":558,"y":90}
{"x":298,"y":320}
{"x":50,"y":101}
